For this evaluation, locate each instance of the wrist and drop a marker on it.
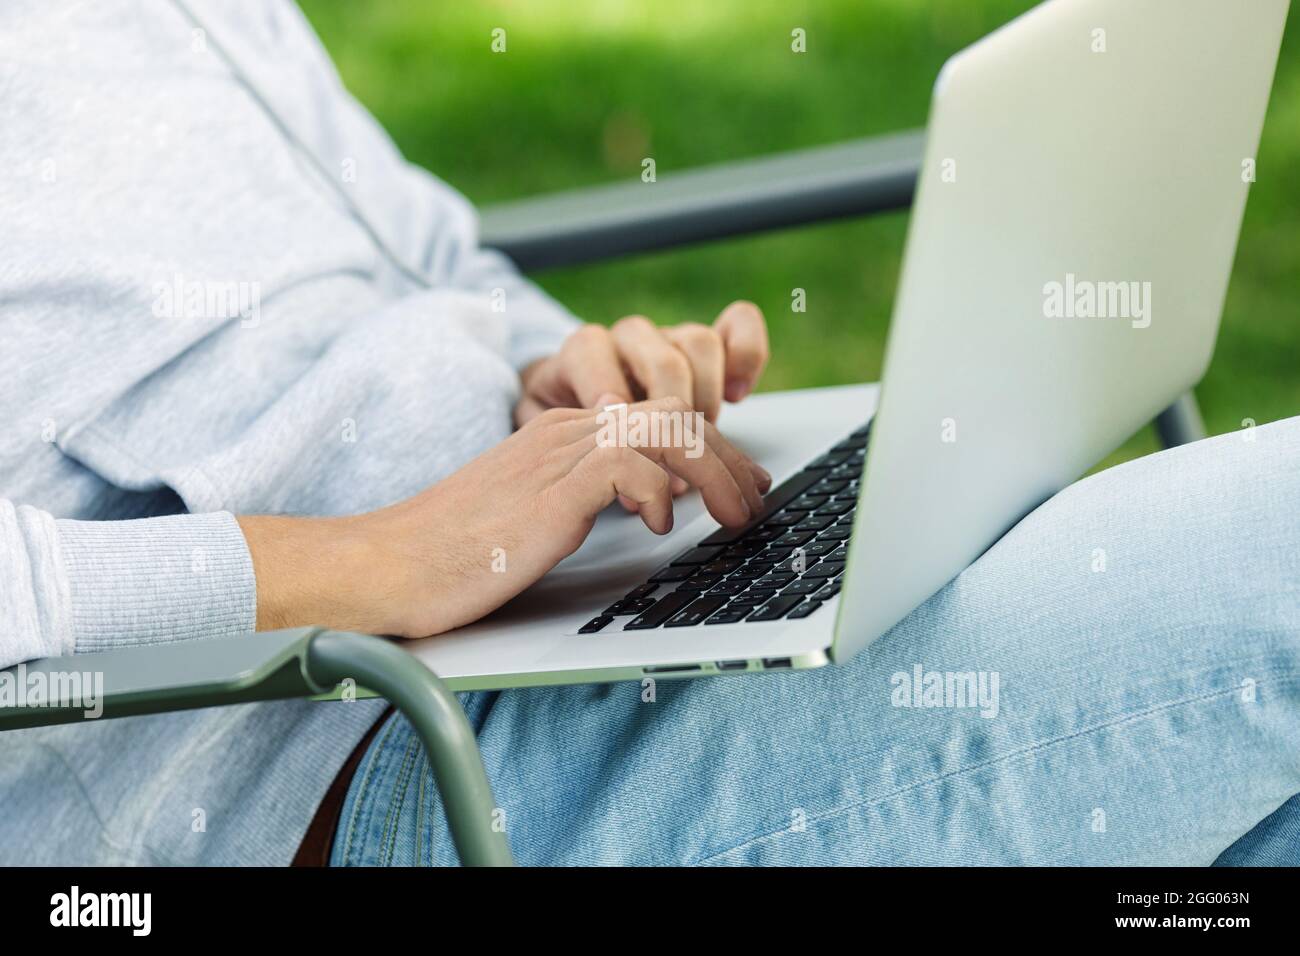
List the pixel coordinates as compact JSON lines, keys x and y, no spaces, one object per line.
{"x":313,"y":571}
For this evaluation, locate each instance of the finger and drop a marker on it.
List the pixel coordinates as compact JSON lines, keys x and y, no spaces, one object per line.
{"x":608,"y":472}
{"x":751,"y":478}
{"x":606,"y":403}
{"x":744,"y":337}
{"x":679,"y":444}
{"x":677,"y":486}
{"x":722,"y":494}
{"x":659,"y":367}
{"x":672,"y":433}
{"x":527,"y":409}
{"x":609,"y":403}
{"x":542,"y":383}
{"x":703,"y":348}
{"x":586,"y":366}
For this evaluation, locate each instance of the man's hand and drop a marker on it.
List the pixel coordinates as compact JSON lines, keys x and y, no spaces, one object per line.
{"x":635,"y":360}
{"x":468,"y":544}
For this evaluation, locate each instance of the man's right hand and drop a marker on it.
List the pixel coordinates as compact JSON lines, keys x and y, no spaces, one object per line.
{"x":466,"y":545}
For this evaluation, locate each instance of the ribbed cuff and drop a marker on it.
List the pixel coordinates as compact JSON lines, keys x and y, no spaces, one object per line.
{"x":157,"y":580}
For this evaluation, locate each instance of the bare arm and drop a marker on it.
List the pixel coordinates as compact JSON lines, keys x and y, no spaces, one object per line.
{"x":464,"y":546}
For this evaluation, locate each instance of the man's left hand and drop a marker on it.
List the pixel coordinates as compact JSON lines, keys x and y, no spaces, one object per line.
{"x":636,"y":360}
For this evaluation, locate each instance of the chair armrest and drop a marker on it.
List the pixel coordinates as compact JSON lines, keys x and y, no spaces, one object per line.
{"x":788,"y":189}
{"x":158,"y":678}
{"x":270,"y":666}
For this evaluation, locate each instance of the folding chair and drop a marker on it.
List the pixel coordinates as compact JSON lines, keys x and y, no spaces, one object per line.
{"x":852,"y":179}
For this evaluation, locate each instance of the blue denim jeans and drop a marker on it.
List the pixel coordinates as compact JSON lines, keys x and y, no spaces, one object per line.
{"x":1138,"y":638}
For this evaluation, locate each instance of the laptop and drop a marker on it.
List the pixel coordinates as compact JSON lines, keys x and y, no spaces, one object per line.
{"x":1068,"y":255}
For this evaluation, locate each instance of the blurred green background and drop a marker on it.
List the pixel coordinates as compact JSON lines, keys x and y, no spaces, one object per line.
{"x":588,"y":88}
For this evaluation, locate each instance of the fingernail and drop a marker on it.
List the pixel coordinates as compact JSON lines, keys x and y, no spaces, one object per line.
{"x":737,"y":389}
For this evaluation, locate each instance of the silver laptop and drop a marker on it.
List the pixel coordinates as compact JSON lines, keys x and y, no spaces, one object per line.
{"x":1076,"y":218}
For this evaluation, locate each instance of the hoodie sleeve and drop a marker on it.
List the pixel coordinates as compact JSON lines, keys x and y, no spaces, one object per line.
{"x":82,"y":586}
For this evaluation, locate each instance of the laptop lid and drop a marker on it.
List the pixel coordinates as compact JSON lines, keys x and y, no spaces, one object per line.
{"x":1076,"y":217}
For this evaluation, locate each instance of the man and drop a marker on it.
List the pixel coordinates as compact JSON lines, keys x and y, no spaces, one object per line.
{"x":258,"y":373}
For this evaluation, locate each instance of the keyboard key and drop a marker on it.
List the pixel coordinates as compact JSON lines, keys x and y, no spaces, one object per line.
{"x":836,"y":508}
{"x":814,"y":523}
{"x":828,"y":460}
{"x":729,"y":587}
{"x":796,"y":564}
{"x":619,"y":608}
{"x":802,"y":587}
{"x":775,"y":609}
{"x":827,"y":592}
{"x":806,"y":503}
{"x":750,"y":599}
{"x":643,"y":591}
{"x":730,"y":615}
{"x":828,"y":487}
{"x":839,"y":532}
{"x":804,"y":609}
{"x":673,"y":572}
{"x":721,"y":567}
{"x":595,"y":624}
{"x":772,"y":582}
{"x":827,"y":569}
{"x":663,"y":609}
{"x":764,"y":559}
{"x":793,"y":539}
{"x":701,"y":582}
{"x":784,"y":520}
{"x":819,"y":548}
{"x":696,"y":612}
{"x":776,"y":499}
{"x":697,"y":556}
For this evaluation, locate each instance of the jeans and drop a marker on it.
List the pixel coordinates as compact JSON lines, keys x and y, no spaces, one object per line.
{"x":1116,"y":681}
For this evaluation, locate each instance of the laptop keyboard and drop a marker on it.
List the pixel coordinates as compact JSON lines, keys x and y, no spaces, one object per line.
{"x":785,"y":564}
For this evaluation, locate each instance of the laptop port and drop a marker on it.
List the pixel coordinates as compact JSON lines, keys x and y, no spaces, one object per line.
{"x":672,"y":669}
{"x":732,"y":665}
{"x":776,"y":663}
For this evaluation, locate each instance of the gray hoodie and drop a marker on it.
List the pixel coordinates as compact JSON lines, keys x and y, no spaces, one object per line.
{"x":222,"y":291}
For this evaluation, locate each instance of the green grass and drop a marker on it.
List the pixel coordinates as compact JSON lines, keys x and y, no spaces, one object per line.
{"x":589,"y":87}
